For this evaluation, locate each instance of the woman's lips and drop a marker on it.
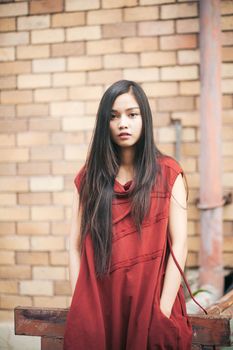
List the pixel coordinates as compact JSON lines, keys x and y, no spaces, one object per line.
{"x":124,"y":136}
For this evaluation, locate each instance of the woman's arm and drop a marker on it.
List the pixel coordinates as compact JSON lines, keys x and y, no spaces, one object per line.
{"x":74,"y":256}
{"x":178,"y":233}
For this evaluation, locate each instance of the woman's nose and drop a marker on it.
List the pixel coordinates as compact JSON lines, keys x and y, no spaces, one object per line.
{"x":123,"y":122}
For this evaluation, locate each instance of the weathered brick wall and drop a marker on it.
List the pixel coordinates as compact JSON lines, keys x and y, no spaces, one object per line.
{"x":56,"y":59}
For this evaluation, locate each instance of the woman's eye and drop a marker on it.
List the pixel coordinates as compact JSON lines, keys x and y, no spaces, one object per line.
{"x":133,"y":115}
{"x":113,"y":116}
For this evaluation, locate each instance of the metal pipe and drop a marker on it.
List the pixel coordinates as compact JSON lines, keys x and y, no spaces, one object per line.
{"x":211,"y":271}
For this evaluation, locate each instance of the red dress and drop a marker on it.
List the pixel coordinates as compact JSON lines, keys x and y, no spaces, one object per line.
{"x":121,"y":311}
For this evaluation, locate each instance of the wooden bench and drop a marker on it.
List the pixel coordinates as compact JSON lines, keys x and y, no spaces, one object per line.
{"x":209,"y":331}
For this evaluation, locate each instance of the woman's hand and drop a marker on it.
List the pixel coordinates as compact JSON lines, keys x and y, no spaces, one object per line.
{"x":165,"y":312}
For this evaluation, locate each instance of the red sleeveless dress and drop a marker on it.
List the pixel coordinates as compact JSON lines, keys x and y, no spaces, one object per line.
{"x":121,"y":311}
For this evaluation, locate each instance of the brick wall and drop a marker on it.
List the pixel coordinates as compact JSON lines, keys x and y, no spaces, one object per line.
{"x":56,"y":59}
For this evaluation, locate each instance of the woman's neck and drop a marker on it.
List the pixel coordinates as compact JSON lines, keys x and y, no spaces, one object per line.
{"x":126,"y":169}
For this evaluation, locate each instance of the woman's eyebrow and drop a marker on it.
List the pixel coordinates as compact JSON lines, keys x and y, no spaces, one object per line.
{"x":128,"y":109}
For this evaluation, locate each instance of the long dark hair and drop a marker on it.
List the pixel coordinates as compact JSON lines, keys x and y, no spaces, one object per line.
{"x":101,"y":168}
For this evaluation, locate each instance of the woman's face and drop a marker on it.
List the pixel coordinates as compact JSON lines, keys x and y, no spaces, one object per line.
{"x":126,"y":121}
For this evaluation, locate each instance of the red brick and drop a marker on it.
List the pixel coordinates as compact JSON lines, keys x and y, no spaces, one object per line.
{"x":188,"y":56}
{"x":84,"y":63}
{"x":69,"y":79}
{"x":227,"y":86}
{"x":158,"y":58}
{"x":54,"y":301}
{"x":47,"y":95}
{"x":226,"y":7}
{"x":14,"y":214}
{"x":227,"y":54}
{"x":7,"y":169}
{"x":8,"y":199}
{"x":140,"y":44}
{"x":18,"y":125}
{"x":188,"y":118}
{"x":46,"y":36}
{"x":67,"y":108}
{"x":25,"y":81}
{"x":73,"y":152}
{"x":67,"y":138}
{"x":11,"y":68}
{"x":78,"y":124}
{"x":118,"y":3}
{"x":46,"y":153}
{"x":179,"y":73}
{"x":36,"y":287}
{"x":32,"y":51}
{"x":161,"y":89}
{"x":58,"y":229}
{"x":190,"y":88}
{"x":14,"y":243}
{"x":155,"y":2}
{"x":7,"y":228}
{"x":11,"y":301}
{"x":8,"y":82}
{"x":104,"y":77}
{"x":63,"y":198}
{"x":68,"y":19}
{"x":7,"y":140}
{"x":227,"y":38}
{"x":46,"y":125}
{"x":46,"y":183}
{"x":33,"y":169}
{"x":7,"y":24}
{"x":32,"y":228}
{"x":83,"y":33}
{"x":227,"y":23}
{"x":9,"y":287}
{"x":33,"y":22}
{"x":141,"y":13}
{"x":103,"y":47}
{"x":49,"y":65}
{"x":13,"y":9}
{"x":74,"y":5}
{"x":121,"y":61}
{"x":32,"y":110}
{"x":179,"y":10}
{"x":16,"y":96}
{"x":34,"y":198}
{"x":187,"y":25}
{"x":181,"y":41}
{"x":86,"y":93}
{"x":7,"y":54}
{"x":47,"y":243}
{"x":32,"y":258}
{"x":45,"y":6}
{"x":156,"y":28}
{"x":14,"y":39}
{"x":68,"y":49}
{"x":32,"y":138}
{"x":104,"y":16}
{"x":7,"y":111}
{"x":119,"y":30}
{"x":62,"y":287}
{"x":141,"y":74}
{"x":175,"y":103}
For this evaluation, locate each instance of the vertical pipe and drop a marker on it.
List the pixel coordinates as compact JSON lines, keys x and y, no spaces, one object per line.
{"x":211,"y":273}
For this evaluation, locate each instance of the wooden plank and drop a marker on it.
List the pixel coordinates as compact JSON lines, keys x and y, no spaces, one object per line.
{"x":40,"y":321}
{"x":207,"y":329}
{"x":49,"y":343}
{"x":211,"y":330}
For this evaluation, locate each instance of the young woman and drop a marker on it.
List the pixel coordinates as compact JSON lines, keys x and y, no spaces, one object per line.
{"x":128,"y":242}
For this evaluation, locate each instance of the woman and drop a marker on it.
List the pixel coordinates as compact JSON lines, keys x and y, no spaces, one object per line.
{"x":130,"y":218}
